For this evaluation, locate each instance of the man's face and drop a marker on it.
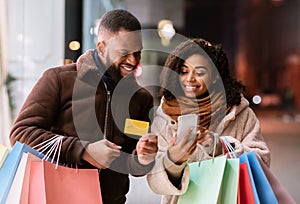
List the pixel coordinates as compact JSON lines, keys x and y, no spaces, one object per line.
{"x":121,"y":51}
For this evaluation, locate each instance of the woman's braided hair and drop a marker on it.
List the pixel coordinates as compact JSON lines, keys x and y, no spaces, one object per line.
{"x":174,"y":62}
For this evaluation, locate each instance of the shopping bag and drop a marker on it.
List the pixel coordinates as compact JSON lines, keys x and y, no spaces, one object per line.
{"x":19,"y":190}
{"x":251,"y":172}
{"x":205,"y":181}
{"x":230,"y":183}
{"x":52,"y":184}
{"x":245,"y":192}
{"x":9,"y":168}
{"x":4,"y":151}
{"x":244,"y":159}
{"x":280,"y":192}
{"x":229,"y":188}
{"x":262,"y":185}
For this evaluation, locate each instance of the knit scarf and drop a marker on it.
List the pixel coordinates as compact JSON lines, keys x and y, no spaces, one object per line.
{"x":210,"y":108}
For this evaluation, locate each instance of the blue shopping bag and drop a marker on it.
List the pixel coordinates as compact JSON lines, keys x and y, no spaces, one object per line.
{"x":263,"y":187}
{"x":9,"y":168}
{"x":244,"y":159}
{"x":262,"y":190}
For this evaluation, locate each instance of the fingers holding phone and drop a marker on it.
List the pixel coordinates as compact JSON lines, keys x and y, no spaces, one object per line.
{"x":187,"y":123}
{"x":204,"y":137}
{"x":181,"y":151}
{"x":184,"y":143}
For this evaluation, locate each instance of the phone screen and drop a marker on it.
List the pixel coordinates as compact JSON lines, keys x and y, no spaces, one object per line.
{"x":185,"y":122}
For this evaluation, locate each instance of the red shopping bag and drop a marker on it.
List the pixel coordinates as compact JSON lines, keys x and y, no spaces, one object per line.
{"x":52,"y":184}
{"x":245,"y":193}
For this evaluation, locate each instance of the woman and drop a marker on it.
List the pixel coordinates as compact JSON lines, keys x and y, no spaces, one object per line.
{"x":196,"y":79}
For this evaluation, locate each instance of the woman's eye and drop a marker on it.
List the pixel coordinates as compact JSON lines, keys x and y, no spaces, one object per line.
{"x":184,"y":72}
{"x":200,"y":73}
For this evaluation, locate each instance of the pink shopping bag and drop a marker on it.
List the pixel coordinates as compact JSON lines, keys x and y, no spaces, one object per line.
{"x":51,"y":185}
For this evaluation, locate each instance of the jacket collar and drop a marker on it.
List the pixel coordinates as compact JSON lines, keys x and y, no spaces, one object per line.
{"x":86,"y":64}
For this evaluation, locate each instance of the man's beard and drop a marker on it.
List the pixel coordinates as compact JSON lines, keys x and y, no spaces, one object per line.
{"x":114,"y":73}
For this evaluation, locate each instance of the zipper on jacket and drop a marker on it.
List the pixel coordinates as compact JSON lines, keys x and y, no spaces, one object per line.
{"x":106,"y":112}
{"x":106,"y":115}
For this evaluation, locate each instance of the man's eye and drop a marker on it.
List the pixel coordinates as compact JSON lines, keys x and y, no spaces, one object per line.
{"x":138,"y":53}
{"x":123,"y":53}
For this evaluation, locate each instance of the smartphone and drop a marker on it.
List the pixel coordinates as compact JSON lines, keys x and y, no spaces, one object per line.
{"x":185,"y":122}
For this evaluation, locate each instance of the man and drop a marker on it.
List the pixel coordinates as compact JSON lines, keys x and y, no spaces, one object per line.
{"x":86,"y":103}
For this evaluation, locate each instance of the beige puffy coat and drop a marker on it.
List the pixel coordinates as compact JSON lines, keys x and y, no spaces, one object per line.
{"x":240,"y":126}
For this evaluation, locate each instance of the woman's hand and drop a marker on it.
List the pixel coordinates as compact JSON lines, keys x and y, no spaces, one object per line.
{"x":204,"y":137}
{"x":180,"y":152}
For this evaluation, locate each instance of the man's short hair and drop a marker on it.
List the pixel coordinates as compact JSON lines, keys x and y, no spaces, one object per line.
{"x":115,"y":20}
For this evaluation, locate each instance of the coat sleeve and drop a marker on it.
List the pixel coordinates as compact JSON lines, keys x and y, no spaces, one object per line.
{"x":160,"y":178}
{"x":136,"y":168}
{"x":38,"y":114}
{"x":249,"y":136}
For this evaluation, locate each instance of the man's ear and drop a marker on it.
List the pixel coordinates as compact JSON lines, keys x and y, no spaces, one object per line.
{"x":101,"y":48}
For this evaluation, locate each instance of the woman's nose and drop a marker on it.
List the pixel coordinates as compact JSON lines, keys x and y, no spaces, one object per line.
{"x":190,"y":76}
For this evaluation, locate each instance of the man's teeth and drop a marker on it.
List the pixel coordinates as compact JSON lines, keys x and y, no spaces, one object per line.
{"x":128,"y":68}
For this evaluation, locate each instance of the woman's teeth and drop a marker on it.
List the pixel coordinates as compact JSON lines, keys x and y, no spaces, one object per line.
{"x":190,"y":88}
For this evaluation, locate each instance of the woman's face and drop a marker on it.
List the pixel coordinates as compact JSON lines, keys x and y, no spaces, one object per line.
{"x":195,"y":76}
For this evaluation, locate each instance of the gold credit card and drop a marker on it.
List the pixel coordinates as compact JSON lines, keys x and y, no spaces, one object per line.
{"x":136,"y":127}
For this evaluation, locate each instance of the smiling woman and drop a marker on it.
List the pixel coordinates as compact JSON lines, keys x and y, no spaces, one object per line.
{"x":196,"y":79}
{"x":195,"y":75}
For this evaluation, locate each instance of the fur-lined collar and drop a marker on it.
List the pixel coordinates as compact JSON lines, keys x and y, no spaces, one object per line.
{"x":86,"y":64}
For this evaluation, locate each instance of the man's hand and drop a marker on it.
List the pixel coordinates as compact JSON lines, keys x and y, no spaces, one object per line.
{"x":147,"y":148}
{"x":101,"y":153}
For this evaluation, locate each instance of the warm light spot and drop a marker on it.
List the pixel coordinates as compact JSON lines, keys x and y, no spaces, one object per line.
{"x":166,"y":31}
{"x":74,"y":45}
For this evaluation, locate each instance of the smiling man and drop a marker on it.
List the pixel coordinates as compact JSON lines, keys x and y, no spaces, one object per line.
{"x":77,"y":101}
{"x":120,"y":44}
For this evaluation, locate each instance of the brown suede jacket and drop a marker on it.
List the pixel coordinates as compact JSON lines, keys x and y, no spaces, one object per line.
{"x":72,"y":100}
